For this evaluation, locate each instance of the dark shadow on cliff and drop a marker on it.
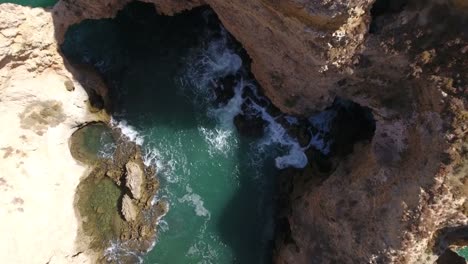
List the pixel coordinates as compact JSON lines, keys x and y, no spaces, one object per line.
{"x":450,"y":236}
{"x":126,"y":50}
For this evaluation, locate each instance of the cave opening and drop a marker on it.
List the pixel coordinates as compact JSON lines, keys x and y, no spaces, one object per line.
{"x":180,"y":87}
{"x":380,"y":9}
{"x":452,"y":243}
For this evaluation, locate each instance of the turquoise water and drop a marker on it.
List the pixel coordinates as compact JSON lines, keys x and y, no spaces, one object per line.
{"x":33,"y":3}
{"x":219,"y":184}
{"x":463,"y":252}
{"x":176,"y":85}
{"x":92,"y":142}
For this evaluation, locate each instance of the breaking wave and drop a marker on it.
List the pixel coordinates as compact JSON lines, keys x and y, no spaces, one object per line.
{"x":216,"y":61}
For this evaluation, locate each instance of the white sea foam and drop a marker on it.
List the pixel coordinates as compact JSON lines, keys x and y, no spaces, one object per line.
{"x":212,"y":62}
{"x":108,"y":148}
{"x":291,"y":120}
{"x":217,"y":61}
{"x":196,"y":201}
{"x":277,"y":134}
{"x":218,"y":140}
{"x":322,"y":123}
{"x":118,"y":249}
{"x":204,"y":251}
{"x":209,"y":64}
{"x":225,"y":115}
{"x":165,"y":163}
{"x":151,"y":156}
{"x":319,"y":142}
{"x":129,"y":131}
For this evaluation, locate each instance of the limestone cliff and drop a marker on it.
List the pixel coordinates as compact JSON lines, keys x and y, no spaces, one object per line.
{"x":390,"y":200}
{"x":299,"y":48}
{"x":386,"y":200}
{"x":40,"y":106}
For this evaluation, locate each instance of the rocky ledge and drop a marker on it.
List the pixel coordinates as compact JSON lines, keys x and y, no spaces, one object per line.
{"x":115,"y":201}
{"x":395,"y":198}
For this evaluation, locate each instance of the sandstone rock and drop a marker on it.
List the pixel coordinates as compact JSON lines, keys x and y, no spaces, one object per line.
{"x":134,"y":179}
{"x":299,"y":49}
{"x":129,"y":210}
{"x":388,"y":198}
{"x":38,"y":115}
{"x":304,"y":53}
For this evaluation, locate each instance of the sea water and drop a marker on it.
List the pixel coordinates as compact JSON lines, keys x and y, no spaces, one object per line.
{"x":33,"y":3}
{"x":165,"y":75}
{"x":218,"y":183}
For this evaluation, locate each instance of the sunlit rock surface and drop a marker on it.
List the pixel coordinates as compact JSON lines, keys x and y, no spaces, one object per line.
{"x":386,"y":200}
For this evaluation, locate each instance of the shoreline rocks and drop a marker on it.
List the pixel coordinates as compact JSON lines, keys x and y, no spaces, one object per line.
{"x":136,"y":186}
{"x":383,"y":202}
{"x":128,"y":209}
{"x":134,"y":179}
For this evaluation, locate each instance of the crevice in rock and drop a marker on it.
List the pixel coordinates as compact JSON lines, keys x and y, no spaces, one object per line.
{"x":446,"y":241}
{"x":382,"y":8}
{"x":353,"y":123}
{"x":337,"y":130}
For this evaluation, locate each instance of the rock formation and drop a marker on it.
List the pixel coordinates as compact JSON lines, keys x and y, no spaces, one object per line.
{"x":129,"y":210}
{"x":134,"y":179}
{"x":38,"y":175}
{"x":104,"y":201}
{"x":299,"y":48}
{"x":390,"y":199}
{"x":386,"y":200}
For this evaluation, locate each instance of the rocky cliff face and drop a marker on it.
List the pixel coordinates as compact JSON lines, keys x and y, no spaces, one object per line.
{"x":299,"y":48}
{"x":404,"y":60}
{"x":390,"y":200}
{"x":40,"y":106}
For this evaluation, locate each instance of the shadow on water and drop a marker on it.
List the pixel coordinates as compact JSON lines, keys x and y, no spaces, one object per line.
{"x":142,"y":51}
{"x":139,"y":49}
{"x":247,"y":221}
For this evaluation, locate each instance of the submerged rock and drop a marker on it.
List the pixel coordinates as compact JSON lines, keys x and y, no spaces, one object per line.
{"x":134,"y":179}
{"x":129,"y":210}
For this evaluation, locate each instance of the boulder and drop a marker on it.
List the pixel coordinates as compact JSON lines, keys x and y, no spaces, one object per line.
{"x":134,"y":178}
{"x":129,"y":210}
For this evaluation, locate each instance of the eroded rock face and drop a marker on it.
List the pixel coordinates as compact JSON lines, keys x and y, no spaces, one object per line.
{"x":129,"y":210}
{"x":385,"y":202}
{"x":299,"y":48}
{"x":387,"y":199}
{"x":38,"y":113}
{"x":134,"y":178}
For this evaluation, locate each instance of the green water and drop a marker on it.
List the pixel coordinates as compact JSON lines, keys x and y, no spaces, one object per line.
{"x":463,"y":252}
{"x":33,"y":3}
{"x":92,"y":142}
{"x":219,"y":185}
